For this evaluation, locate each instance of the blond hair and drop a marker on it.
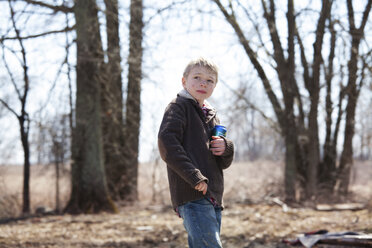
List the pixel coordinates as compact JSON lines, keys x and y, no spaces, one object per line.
{"x":202,"y":62}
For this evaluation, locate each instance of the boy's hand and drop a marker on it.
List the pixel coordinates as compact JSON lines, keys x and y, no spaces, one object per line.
{"x":218,"y":146}
{"x":203,"y":186}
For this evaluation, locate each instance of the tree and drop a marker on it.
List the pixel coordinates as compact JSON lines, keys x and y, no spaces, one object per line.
{"x":121,"y":140}
{"x":23,"y":116}
{"x":89,"y":189}
{"x":60,"y":137}
{"x":297,"y":114}
{"x":22,"y":92}
{"x":120,"y":161}
{"x":352,"y":92}
{"x":133,"y":104}
{"x":112,"y":106}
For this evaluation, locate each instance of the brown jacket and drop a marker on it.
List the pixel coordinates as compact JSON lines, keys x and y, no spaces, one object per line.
{"x":183,"y":142}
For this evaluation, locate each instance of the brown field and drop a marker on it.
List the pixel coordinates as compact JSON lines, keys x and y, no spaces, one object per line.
{"x":253,"y":216}
{"x":244,"y":182}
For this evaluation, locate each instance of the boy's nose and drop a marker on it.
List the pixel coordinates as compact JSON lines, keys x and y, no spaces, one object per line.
{"x":203,"y":82}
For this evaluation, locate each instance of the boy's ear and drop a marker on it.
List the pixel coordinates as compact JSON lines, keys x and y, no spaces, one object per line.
{"x":183,"y":81}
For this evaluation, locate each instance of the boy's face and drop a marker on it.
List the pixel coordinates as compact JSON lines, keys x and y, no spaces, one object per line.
{"x":200,"y":83}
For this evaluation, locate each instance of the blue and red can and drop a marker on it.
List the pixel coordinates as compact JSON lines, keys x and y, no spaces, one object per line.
{"x":219,"y":130}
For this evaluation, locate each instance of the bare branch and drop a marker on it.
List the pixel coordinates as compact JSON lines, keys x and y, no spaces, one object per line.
{"x":362,"y":76}
{"x":271,"y":23}
{"x":66,"y":29}
{"x":5,"y":104}
{"x":350,"y":12}
{"x":291,"y":22}
{"x":253,"y":57}
{"x":256,"y":27}
{"x":69,"y":80}
{"x":24,"y":63}
{"x":168,"y":7}
{"x":317,"y":59}
{"x":304,"y":62}
{"x":328,"y":74}
{"x":251,"y":105}
{"x":56,"y":8}
{"x":365,"y":15}
{"x":10,"y":73}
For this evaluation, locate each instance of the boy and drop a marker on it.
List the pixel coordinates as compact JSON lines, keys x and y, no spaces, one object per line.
{"x":194,"y":158}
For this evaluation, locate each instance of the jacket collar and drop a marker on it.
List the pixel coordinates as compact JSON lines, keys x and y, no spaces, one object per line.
{"x":184,"y":93}
{"x":211,"y":111}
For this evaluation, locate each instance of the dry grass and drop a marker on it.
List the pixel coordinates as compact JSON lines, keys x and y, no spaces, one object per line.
{"x":42,"y":188}
{"x":244,"y":182}
{"x":248,"y":182}
{"x":361,"y":183}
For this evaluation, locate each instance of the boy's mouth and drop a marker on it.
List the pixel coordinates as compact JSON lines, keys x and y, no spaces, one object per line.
{"x":201,"y":91}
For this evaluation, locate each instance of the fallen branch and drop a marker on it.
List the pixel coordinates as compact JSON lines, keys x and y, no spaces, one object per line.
{"x":339,"y":207}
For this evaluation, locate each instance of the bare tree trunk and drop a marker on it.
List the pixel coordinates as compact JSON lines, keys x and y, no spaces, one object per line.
{"x":327,"y":168}
{"x":23,"y":118}
{"x":314,"y":89}
{"x":302,"y":143}
{"x":289,"y":91}
{"x":24,"y":124}
{"x":133,"y":104}
{"x":58,"y":160}
{"x":70,"y":101}
{"x":112,"y":105}
{"x":89,"y":189}
{"x":286,"y":128}
{"x":352,"y":91}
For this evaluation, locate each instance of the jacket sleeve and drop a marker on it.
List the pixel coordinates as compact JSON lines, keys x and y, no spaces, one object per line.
{"x":170,"y":139}
{"x":225,"y":160}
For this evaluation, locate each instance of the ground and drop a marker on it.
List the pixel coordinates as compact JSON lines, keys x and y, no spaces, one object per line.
{"x":243,"y":225}
{"x":254,"y":216}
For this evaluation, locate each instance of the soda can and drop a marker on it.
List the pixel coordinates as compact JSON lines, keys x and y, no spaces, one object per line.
{"x":219,"y":130}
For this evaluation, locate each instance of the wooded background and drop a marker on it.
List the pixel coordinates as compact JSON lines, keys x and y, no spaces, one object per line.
{"x":295,"y":86}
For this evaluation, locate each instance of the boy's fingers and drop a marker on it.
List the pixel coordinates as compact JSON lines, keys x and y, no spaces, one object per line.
{"x":217,"y":151}
{"x":217,"y":143}
{"x":202,"y":187}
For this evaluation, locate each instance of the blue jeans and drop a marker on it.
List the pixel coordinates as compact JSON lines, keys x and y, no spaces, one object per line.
{"x":202,"y":222}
